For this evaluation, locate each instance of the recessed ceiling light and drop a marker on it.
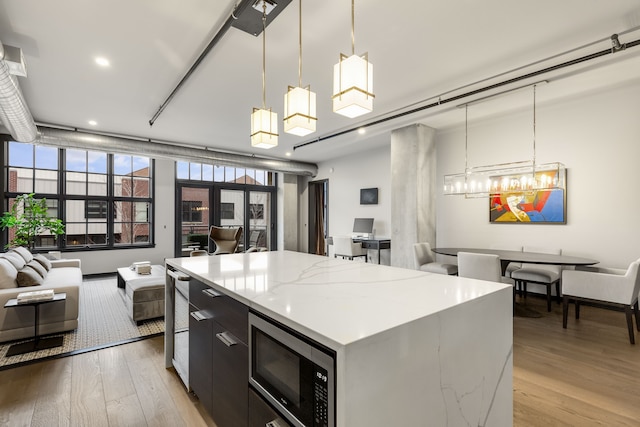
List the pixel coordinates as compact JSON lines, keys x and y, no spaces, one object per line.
{"x":93,"y":122}
{"x":288,"y":154}
{"x":101,"y":61}
{"x":361,"y":131}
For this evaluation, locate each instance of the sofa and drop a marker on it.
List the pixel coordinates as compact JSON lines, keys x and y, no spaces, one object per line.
{"x":21,"y":271}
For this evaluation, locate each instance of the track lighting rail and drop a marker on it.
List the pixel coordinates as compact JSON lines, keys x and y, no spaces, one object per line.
{"x":440,"y":101}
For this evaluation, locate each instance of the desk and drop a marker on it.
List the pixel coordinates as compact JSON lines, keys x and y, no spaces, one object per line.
{"x":375,"y":244}
{"x":518,"y":256}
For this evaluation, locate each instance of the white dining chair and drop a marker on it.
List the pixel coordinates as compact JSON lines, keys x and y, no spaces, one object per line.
{"x":512,"y":266}
{"x":607,"y":287}
{"x":482,"y":267}
{"x":423,"y":260}
{"x":541,"y":274}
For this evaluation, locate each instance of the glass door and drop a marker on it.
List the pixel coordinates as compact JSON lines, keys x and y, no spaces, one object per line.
{"x":193,"y":211}
{"x":232,"y":212}
{"x":260,"y":219}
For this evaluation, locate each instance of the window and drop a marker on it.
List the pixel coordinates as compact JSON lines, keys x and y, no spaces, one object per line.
{"x":95,"y":209}
{"x":191,"y":211}
{"x":228,"y":196}
{"x":216,"y":173}
{"x":256,"y":211}
{"x":227,"y":210}
{"x":106,"y":199}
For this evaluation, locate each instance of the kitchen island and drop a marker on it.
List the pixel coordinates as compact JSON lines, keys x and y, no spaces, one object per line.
{"x":411,"y":348}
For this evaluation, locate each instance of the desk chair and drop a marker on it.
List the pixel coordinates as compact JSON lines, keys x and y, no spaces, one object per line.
{"x":227,"y":240}
{"x":199,"y":252}
{"x":345,"y":247}
{"x":541,"y":274}
{"x":423,"y":260}
{"x":608,"y":287}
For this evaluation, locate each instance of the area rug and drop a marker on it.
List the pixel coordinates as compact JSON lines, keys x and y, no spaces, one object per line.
{"x":102,"y":322}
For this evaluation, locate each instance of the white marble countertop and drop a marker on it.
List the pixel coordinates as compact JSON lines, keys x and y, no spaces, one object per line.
{"x":334,"y":301}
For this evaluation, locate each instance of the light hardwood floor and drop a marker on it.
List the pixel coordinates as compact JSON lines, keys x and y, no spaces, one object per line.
{"x":586,"y":375}
{"x":119,"y":386}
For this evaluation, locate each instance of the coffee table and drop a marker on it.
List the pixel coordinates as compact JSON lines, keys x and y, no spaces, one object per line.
{"x":143,"y":293}
{"x":37,"y":343}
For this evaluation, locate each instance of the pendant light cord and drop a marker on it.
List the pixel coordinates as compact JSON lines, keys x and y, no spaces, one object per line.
{"x":264,"y":62}
{"x":466,"y":137}
{"x":353,"y":24}
{"x":300,"y":44}
{"x":534,"y":128}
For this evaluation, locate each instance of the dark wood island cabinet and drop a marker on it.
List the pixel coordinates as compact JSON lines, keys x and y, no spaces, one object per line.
{"x":219,"y":354}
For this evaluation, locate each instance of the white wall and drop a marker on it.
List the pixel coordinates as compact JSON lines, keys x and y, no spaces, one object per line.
{"x":94,"y":262}
{"x":346,"y":177}
{"x":597,"y":137}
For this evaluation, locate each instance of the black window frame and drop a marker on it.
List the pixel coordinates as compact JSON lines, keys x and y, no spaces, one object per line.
{"x":62,"y":198}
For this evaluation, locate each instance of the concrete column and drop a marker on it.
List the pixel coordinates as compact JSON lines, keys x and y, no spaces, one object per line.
{"x":413,"y":187}
{"x":290,"y":212}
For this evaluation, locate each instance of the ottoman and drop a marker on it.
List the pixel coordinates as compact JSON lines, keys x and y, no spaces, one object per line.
{"x":143,"y":293}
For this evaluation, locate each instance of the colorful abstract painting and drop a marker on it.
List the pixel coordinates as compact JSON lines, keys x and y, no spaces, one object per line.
{"x":531,"y":207}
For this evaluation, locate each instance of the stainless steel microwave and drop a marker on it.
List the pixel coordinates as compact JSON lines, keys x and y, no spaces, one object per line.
{"x":295,"y":374}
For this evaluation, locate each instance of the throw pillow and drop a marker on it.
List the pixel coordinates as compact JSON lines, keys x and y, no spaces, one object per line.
{"x":23,"y":252}
{"x":43,"y":260}
{"x":8,"y":274}
{"x":15,"y":259}
{"x":37,"y":267}
{"x":28,"y":277}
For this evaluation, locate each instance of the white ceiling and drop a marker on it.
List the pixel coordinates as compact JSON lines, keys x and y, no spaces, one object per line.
{"x":419,"y":49}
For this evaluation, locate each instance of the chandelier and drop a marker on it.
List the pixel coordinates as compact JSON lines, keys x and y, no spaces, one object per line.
{"x":493,"y":180}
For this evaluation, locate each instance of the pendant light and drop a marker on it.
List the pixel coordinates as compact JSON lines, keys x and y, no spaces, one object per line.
{"x":299,"y":102}
{"x":504,"y":178}
{"x":264,"y":122}
{"x":353,"y":80}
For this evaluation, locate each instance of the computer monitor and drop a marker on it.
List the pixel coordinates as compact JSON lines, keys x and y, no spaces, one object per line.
{"x":363,"y":225}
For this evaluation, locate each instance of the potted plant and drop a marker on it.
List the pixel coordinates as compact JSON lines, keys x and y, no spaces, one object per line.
{"x":28,"y":218}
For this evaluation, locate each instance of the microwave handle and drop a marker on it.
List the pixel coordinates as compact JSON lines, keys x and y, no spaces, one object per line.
{"x":227,"y":338}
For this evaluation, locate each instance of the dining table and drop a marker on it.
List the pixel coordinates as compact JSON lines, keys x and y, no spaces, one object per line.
{"x":507,"y":256}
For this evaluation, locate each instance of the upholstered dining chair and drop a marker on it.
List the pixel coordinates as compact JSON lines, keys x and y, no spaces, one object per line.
{"x":345,"y":247}
{"x":482,"y":267}
{"x":424,"y":261}
{"x":512,"y":266}
{"x":479,"y":266}
{"x":541,"y":274}
{"x":608,"y":287}
{"x":227,"y":240}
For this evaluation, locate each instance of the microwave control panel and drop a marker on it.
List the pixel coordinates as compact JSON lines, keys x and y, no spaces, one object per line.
{"x":320,"y":398}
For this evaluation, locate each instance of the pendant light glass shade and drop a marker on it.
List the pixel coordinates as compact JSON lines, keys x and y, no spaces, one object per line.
{"x":299,"y":102}
{"x":264,"y":122}
{"x":353,"y":86}
{"x":264,"y":128}
{"x":299,"y":111}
